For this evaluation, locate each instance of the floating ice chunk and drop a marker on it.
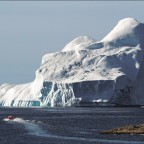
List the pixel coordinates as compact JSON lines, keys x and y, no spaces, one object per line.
{"x":111,"y":70}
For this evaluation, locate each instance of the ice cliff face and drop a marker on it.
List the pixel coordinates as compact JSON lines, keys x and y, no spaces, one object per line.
{"x":111,"y":70}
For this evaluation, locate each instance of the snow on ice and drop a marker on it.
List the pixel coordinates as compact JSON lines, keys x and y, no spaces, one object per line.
{"x":110,"y":71}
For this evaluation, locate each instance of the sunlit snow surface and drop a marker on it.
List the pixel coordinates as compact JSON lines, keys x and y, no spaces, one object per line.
{"x":87,"y":71}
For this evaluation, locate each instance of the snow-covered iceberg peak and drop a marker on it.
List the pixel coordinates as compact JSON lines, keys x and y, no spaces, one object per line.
{"x":79,"y":43}
{"x":109,"y":71}
{"x":128,"y":32}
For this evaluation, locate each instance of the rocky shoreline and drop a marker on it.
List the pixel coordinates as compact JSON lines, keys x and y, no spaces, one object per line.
{"x":131,"y":129}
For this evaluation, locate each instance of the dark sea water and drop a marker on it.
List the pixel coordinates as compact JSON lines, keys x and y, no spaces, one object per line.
{"x":69,"y":125}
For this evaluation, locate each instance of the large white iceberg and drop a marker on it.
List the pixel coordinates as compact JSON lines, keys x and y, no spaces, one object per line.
{"x":111,"y":70}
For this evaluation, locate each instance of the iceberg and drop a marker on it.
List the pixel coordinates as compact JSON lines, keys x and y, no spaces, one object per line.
{"x":109,"y":71}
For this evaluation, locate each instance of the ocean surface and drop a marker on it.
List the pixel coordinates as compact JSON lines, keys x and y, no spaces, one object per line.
{"x":69,"y":125}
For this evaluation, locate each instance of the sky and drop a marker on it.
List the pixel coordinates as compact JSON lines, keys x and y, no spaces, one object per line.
{"x":31,"y":29}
